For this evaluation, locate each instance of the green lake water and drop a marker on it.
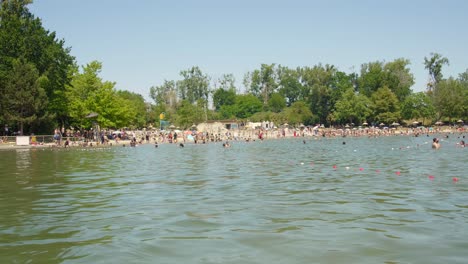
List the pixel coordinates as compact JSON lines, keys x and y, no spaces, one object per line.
{"x":279,"y":201}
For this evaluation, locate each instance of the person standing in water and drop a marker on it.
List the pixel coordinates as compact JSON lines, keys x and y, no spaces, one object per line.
{"x":435,"y":143}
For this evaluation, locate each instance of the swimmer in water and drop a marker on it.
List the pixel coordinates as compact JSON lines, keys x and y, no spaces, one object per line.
{"x":435,"y":143}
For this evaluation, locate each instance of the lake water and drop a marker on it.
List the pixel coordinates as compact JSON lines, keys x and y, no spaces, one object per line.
{"x":277,"y":201}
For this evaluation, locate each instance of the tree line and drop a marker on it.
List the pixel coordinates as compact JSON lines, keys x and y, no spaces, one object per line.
{"x":42,"y":87}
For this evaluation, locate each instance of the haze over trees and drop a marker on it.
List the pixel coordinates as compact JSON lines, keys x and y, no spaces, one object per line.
{"x":42,"y":88}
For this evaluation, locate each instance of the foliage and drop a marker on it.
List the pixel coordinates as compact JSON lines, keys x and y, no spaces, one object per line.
{"x":450,"y":98}
{"x":276,"y":103}
{"x":194,"y":85}
{"x":434,"y":66}
{"x":22,"y":37}
{"x":289,"y":85}
{"x":26,"y":102}
{"x":223,"y":97}
{"x":262,"y":83}
{"x":385,"y":106}
{"x":417,"y":105}
{"x":247,"y":105}
{"x":189,"y":114}
{"x":298,"y":113}
{"x":395,"y":75}
{"x":227,"y":82}
{"x":165,"y":94}
{"x":138,"y":109}
{"x":88,"y":94}
{"x":352,"y":107}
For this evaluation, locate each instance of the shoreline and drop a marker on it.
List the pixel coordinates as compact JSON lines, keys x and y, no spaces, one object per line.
{"x":271,"y":135}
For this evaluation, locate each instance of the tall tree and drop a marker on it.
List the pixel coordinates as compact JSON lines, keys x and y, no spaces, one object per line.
{"x":417,"y":105}
{"x":22,"y":36}
{"x":298,"y":113}
{"x":263,"y":82}
{"x":26,"y":102}
{"x":290,"y":84}
{"x":139,"y":110}
{"x":372,"y":77}
{"x":352,"y":107}
{"x":222,"y":97}
{"x":434,"y":66}
{"x":398,"y":78}
{"x":318,"y":83}
{"x":247,"y":105}
{"x":449,"y":98}
{"x":227,"y":82}
{"x":88,"y":94}
{"x":386,"y":107}
{"x":276,"y":103}
{"x":165,"y":94}
{"x":194,"y":85}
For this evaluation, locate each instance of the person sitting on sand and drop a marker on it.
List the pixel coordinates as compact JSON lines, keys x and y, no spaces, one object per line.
{"x":435,"y":143}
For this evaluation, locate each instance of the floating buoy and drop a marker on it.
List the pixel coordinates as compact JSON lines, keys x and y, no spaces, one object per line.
{"x":334,"y":167}
{"x":397,"y":173}
{"x":347,"y":168}
{"x":378,"y":171}
{"x":455,"y":179}
{"x":361,"y":169}
{"x":431,"y":177}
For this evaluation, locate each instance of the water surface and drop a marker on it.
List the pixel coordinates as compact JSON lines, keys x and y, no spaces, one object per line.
{"x":277,"y":201}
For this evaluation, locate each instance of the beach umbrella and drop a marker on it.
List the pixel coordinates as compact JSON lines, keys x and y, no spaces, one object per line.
{"x":460,"y":121}
{"x":439,"y":123}
{"x":395,"y":124}
{"x":365,"y":124}
{"x":415,"y":122}
{"x":381,"y":124}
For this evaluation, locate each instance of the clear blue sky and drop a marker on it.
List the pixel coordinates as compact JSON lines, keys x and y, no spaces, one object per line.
{"x":142,"y":43}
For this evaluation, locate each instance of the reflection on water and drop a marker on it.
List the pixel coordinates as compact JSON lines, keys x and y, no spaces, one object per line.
{"x":278,"y":201}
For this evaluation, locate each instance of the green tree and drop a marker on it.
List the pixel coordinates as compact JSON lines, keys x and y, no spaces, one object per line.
{"x":87,"y":94}
{"x":449,"y":98}
{"x":222,"y":97}
{"x":139,"y":110}
{"x":25,"y":101}
{"x":289,"y":85}
{"x":398,"y":78}
{"x":298,"y":113}
{"x":385,"y":106}
{"x":318,"y":85}
{"x":194,"y":85}
{"x":227,"y":82}
{"x":352,"y":107}
{"x":262,"y":83}
{"x":247,"y":105}
{"x":189,"y":114}
{"x":22,"y":36}
{"x":418,"y":105}
{"x":434,"y":65}
{"x":165,"y":93}
{"x":276,"y":103}
{"x":372,"y":78}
